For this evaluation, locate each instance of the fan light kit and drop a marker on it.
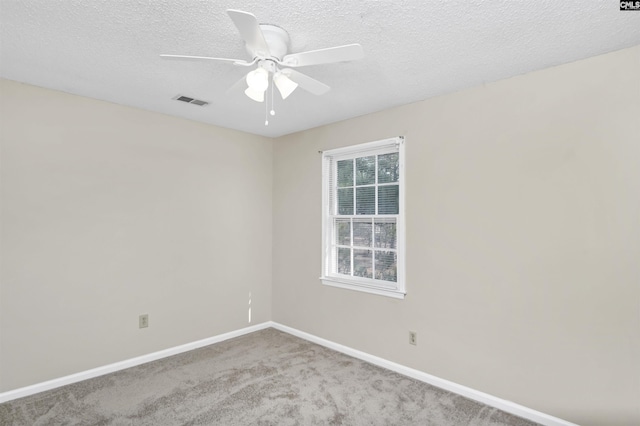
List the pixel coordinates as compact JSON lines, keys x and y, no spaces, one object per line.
{"x":268,"y":47}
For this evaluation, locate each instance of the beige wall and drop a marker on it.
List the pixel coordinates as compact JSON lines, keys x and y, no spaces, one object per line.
{"x":523,"y":245}
{"x":109,"y":212}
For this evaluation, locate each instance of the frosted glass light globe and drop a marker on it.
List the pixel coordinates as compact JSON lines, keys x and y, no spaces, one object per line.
{"x":258,"y":79}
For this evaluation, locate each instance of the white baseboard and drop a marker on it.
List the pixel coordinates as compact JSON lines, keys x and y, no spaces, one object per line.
{"x":502,"y":404}
{"x":132,"y":362}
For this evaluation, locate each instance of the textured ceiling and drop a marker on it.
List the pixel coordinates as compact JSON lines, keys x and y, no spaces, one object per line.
{"x":414,"y":50}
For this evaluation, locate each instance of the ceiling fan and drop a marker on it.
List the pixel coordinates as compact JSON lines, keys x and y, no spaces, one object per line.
{"x":268,"y":47}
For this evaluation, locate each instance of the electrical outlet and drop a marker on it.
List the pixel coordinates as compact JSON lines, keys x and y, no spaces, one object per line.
{"x":413,"y":338}
{"x":143,"y":321}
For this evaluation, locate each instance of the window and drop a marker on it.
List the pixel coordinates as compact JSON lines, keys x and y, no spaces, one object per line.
{"x":363,"y":217}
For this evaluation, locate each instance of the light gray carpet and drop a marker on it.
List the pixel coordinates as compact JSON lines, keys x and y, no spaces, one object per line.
{"x":263,"y":378}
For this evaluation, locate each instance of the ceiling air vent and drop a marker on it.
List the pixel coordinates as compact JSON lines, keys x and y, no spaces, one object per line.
{"x":190,"y":100}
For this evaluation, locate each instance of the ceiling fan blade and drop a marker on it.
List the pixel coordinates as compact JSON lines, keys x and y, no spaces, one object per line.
{"x":309,"y":84}
{"x":250,"y":31}
{"x":206,"y":58}
{"x":237,"y":86}
{"x":349,"y":52}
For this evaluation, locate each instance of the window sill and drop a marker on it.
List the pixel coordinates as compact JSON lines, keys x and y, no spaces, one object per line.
{"x":335,"y":282}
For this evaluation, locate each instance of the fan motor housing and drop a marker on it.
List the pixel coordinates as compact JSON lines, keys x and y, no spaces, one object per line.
{"x":277,"y":39}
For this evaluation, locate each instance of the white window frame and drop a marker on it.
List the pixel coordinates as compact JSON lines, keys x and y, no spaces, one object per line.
{"x":329,"y":169}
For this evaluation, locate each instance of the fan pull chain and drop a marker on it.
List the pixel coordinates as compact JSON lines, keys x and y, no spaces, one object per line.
{"x":266,"y":107}
{"x":273,"y":111}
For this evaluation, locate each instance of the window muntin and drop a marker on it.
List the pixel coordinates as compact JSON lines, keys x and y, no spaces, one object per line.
{"x":362,"y":188}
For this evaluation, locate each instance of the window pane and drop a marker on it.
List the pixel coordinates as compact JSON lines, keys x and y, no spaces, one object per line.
{"x":388,"y":168}
{"x":343,"y":232}
{"x":344,"y":261}
{"x":366,"y":170}
{"x":345,"y":173}
{"x":365,"y":200}
{"x":388,"y":200}
{"x":362,"y":233}
{"x":386,"y":266}
{"x":363,"y":263}
{"x":385,"y":233}
{"x":345,"y":201}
